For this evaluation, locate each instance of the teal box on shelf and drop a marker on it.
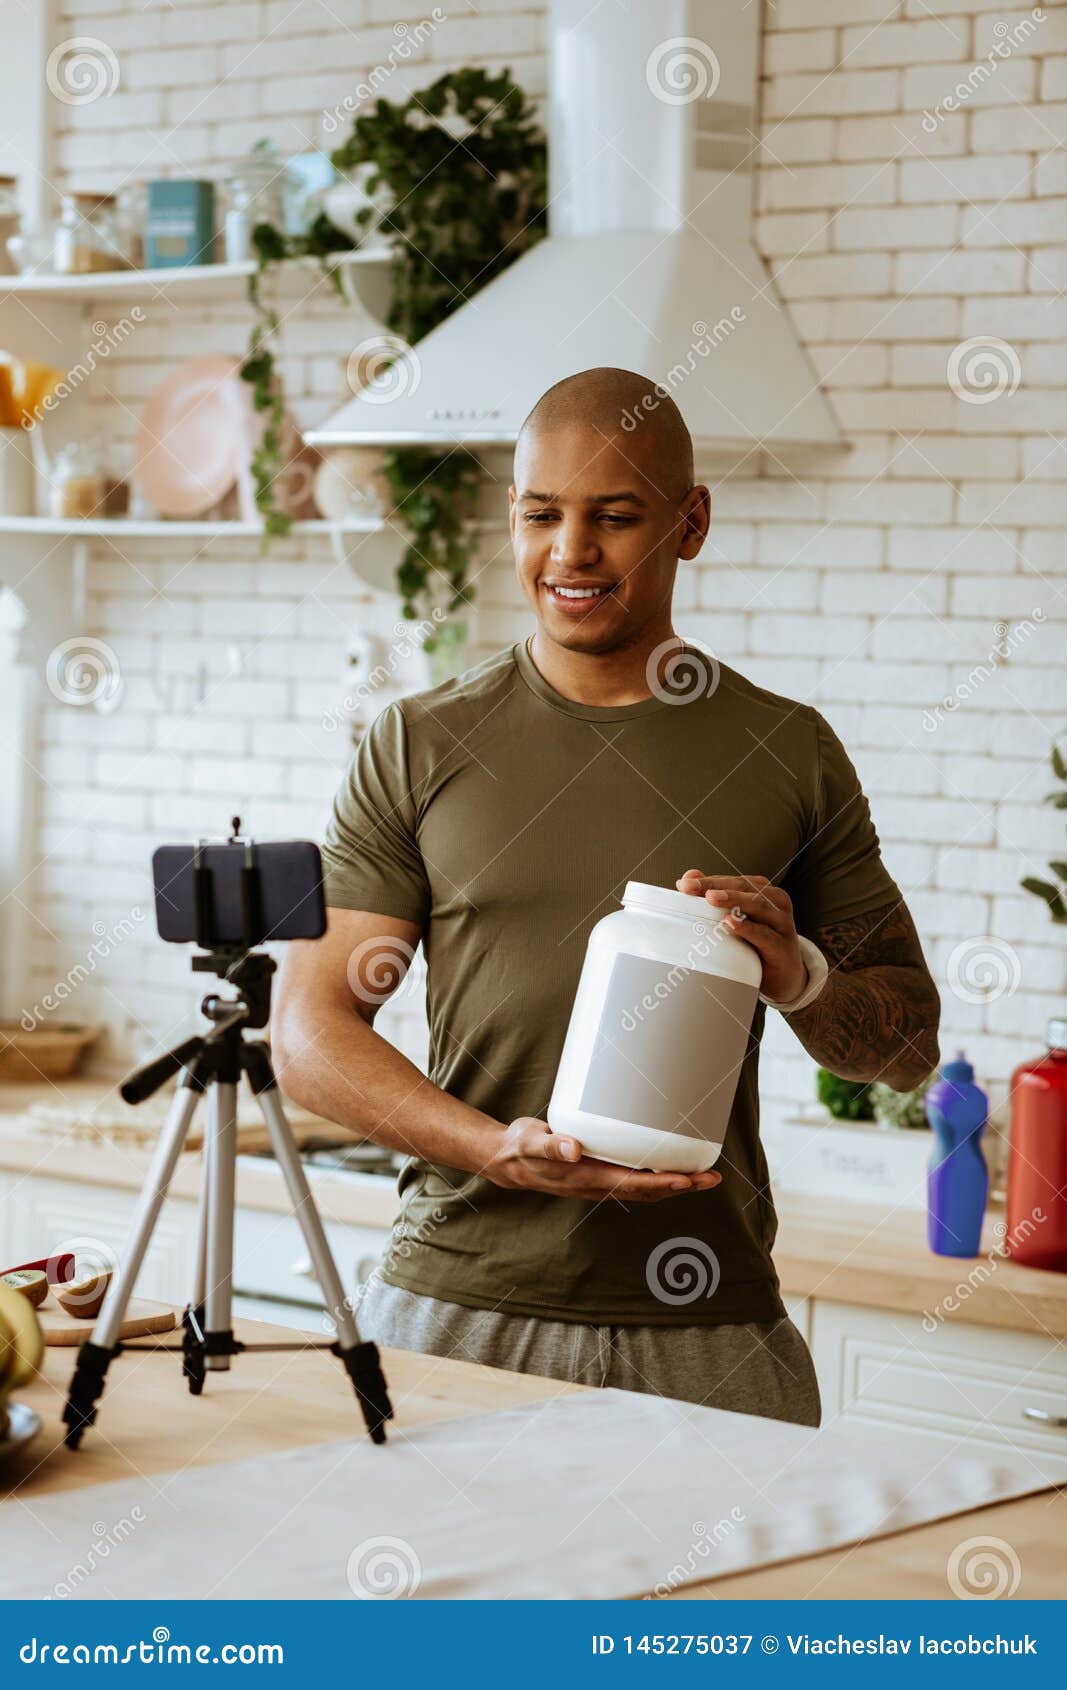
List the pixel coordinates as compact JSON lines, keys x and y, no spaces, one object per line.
{"x":180,"y":226}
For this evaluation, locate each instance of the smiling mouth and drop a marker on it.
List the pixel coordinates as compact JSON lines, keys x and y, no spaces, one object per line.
{"x":577,"y":597}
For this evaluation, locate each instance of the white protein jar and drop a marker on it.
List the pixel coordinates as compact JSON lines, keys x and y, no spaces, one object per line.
{"x":657,"y":1035}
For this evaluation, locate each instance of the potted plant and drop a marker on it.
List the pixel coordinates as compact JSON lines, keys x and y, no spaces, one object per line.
{"x":456,"y":182}
{"x":866,"y":1142}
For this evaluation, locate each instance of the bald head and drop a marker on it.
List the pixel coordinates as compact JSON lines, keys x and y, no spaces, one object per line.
{"x":616,"y":404}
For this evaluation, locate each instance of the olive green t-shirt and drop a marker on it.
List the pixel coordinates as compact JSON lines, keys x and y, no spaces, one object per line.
{"x":506,"y":820}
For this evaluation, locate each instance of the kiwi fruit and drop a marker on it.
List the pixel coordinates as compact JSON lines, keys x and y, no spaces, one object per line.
{"x":30,"y":1282}
{"x":83,"y":1297}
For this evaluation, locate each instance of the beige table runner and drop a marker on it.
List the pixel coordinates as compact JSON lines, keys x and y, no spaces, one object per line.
{"x":610,"y":1494}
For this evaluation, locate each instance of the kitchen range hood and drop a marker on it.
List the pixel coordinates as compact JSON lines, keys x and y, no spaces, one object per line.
{"x":649,"y":264}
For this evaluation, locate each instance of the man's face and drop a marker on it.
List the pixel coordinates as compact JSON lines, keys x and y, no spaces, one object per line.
{"x":590,"y":517}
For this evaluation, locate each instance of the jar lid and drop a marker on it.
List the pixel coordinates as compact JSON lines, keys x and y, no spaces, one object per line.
{"x":667,"y":902}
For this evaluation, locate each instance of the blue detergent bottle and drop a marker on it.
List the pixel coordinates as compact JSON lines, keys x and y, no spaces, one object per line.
{"x":957,"y":1182}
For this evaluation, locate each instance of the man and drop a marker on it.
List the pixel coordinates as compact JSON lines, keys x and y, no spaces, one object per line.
{"x":497,"y":818}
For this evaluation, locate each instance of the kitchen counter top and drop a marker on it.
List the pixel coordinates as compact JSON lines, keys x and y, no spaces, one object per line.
{"x":272,"y":1402}
{"x":827,"y":1248}
{"x":360,"y":1199}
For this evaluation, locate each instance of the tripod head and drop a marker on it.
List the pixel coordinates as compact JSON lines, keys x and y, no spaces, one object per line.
{"x":250,"y":972}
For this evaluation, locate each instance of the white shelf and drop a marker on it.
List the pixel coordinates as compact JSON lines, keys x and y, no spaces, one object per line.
{"x":192,"y":281}
{"x":134,"y":528}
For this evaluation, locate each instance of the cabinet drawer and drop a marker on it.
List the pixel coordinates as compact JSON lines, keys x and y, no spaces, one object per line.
{"x":969,"y":1383}
{"x":43,"y":1216}
{"x":270,"y":1257}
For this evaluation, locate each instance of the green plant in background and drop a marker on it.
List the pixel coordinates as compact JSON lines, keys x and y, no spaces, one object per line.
{"x":847,"y":1100}
{"x":434,"y":499}
{"x":460,"y":169}
{"x":902,"y":1108}
{"x":272,"y":247}
{"x":1053,"y":895}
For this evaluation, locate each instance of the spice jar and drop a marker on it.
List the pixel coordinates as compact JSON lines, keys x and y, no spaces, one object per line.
{"x":76,"y":484}
{"x":86,"y":236}
{"x":9,"y":221}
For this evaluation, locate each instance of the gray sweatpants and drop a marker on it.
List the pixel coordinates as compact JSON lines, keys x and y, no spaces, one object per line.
{"x":749,"y":1369}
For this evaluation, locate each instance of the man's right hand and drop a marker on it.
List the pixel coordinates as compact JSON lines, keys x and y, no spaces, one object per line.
{"x":532,"y":1157}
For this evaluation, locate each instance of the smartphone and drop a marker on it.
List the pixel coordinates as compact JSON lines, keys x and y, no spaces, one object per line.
{"x":287,"y":900}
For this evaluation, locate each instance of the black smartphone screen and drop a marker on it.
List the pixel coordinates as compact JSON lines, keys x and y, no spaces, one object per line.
{"x":290,"y":897}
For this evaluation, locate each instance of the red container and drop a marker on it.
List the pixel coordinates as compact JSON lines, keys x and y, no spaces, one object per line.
{"x":1037,"y":1164}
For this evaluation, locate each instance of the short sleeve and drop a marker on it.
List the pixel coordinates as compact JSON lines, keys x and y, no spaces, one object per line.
{"x":839,"y":871}
{"x":370,"y":855}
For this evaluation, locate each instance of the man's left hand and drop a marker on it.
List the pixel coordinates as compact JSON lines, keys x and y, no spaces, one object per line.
{"x":761,"y":914}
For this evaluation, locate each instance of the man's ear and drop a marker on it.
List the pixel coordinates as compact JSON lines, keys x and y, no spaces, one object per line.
{"x":512,"y":508}
{"x":695,"y":514}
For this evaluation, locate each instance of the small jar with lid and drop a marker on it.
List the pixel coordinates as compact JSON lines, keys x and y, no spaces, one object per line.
{"x":9,"y":221}
{"x":86,"y":237}
{"x":255,"y":193}
{"x":659,"y":1030}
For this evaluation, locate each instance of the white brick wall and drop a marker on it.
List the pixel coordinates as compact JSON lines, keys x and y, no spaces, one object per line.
{"x":873,"y":589}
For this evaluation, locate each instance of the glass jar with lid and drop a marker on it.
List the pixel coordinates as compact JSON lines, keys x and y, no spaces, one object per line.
{"x":86,"y":236}
{"x":9,"y":221}
{"x":255,"y":193}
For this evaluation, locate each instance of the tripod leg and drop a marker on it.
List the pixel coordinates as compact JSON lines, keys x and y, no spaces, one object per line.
{"x":220,"y":1198}
{"x":193,"y":1365}
{"x":360,"y":1359}
{"x":98,"y":1350}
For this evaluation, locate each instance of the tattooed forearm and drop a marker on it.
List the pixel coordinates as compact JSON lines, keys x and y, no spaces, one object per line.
{"x":877,"y":1016}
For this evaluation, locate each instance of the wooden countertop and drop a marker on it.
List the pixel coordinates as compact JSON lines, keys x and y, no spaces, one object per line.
{"x":269,"y":1403}
{"x":841,"y":1251}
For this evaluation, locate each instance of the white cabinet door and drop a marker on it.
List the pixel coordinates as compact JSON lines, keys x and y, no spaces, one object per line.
{"x":43,"y":1216}
{"x":799,"y":1311}
{"x":959,"y":1384}
{"x":270,"y":1257}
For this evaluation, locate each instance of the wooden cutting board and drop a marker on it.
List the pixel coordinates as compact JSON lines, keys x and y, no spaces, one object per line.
{"x":141,"y":1317}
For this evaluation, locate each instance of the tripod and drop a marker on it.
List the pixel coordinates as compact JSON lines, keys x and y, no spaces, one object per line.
{"x":214,"y":1063}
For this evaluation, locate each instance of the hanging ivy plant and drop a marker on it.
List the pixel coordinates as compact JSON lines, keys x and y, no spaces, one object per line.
{"x":461,"y":169}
